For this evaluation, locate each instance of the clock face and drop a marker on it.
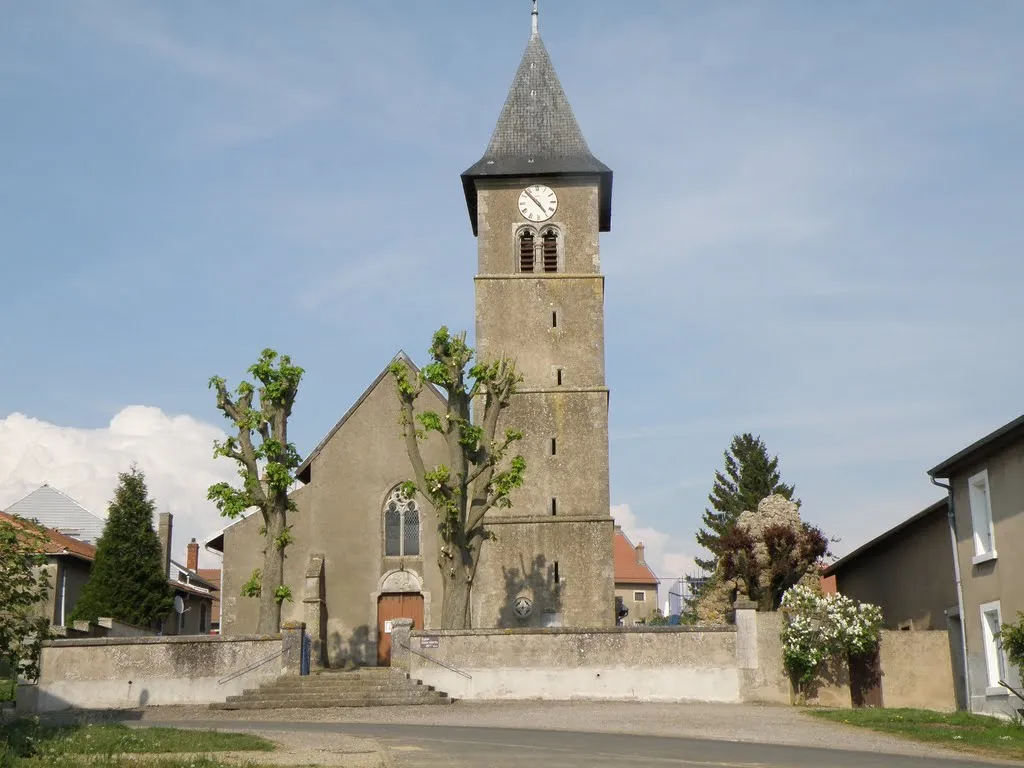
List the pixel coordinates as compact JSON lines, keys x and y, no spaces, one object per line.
{"x":537,"y":203}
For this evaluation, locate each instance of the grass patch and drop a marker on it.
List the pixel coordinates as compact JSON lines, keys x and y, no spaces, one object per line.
{"x":7,"y":689}
{"x":25,"y":742}
{"x":957,"y":730}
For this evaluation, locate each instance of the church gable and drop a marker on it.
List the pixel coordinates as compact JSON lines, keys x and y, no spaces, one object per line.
{"x":376,"y":411}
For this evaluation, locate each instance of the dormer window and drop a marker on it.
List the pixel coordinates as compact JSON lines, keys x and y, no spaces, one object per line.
{"x":549,"y":249}
{"x":527,"y":251}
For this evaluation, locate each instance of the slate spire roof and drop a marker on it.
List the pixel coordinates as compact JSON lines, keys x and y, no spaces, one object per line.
{"x":537,"y":134}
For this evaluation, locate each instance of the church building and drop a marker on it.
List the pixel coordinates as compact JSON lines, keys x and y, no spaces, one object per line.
{"x":538,"y":200}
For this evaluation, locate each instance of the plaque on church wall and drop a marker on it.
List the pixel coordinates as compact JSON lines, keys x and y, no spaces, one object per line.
{"x":430,"y":642}
{"x":523,"y":607}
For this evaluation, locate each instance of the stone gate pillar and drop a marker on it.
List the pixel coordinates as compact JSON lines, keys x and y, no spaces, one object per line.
{"x":313,"y":609}
{"x":401,"y":636}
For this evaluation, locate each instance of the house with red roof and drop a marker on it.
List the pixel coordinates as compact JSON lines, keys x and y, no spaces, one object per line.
{"x":636,"y":586}
{"x":69,"y":563}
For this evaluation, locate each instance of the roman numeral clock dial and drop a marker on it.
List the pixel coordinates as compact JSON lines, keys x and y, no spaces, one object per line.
{"x":537,"y":203}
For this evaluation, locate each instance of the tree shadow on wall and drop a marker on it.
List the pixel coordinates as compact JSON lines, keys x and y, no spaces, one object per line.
{"x":832,"y":673}
{"x":354,"y":651}
{"x":866,"y":680}
{"x":541,"y":582}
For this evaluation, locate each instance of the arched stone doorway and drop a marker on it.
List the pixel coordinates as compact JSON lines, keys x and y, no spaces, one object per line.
{"x":400,"y":597}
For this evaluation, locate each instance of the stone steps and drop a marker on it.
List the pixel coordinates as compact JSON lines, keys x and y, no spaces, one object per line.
{"x":327,"y":698}
{"x":317,"y":704}
{"x":322,"y":690}
{"x":365,"y":687}
{"x":308,"y":683}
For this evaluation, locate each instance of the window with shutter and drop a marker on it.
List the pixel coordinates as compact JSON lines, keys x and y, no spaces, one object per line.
{"x":549,"y":249}
{"x":527,"y":251}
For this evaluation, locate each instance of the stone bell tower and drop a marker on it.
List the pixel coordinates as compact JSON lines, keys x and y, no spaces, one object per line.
{"x":538,"y":200}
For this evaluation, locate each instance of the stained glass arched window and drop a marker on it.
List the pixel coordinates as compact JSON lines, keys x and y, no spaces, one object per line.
{"x":401,"y":525}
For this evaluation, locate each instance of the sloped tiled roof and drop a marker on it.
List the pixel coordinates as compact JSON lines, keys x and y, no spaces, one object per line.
{"x":56,"y":542}
{"x":182,"y":576}
{"x":60,"y":512}
{"x":537,"y":134}
{"x":938,"y":509}
{"x":1007,"y":434}
{"x":627,"y":569}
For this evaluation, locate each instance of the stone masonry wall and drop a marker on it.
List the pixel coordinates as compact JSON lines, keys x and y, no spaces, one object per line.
{"x":123,"y":673}
{"x":917,"y":670}
{"x":650,"y":664}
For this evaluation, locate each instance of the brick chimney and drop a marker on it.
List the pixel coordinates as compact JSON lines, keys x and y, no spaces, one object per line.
{"x":165,"y":533}
{"x":640,"y":553}
{"x":192,"y":556}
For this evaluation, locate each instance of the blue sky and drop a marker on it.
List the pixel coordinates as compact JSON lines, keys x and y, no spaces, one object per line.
{"x":817,"y":226}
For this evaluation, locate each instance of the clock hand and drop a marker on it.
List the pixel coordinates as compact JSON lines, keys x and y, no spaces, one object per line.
{"x":538,"y":202}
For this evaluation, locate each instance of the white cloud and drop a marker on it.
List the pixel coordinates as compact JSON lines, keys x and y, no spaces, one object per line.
{"x":174,"y":452}
{"x":663,"y":552}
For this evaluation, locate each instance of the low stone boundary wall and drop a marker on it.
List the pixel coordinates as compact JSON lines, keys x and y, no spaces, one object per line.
{"x":916,"y":671}
{"x":103,"y":627}
{"x":732,"y":663}
{"x":624,"y":663}
{"x":129,"y":672}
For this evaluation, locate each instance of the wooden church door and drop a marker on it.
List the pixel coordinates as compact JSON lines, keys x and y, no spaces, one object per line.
{"x":390,"y":607}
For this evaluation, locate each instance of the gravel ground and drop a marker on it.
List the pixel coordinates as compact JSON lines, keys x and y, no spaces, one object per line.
{"x":330,"y":749}
{"x":726,"y":722}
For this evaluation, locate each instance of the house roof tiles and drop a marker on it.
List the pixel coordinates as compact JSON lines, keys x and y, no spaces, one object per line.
{"x":628,"y":569}
{"x":56,"y":542}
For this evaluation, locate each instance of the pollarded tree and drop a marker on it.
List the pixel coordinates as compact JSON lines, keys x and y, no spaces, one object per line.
{"x":267,"y":423}
{"x":750,"y":476}
{"x":24,"y":586}
{"x":475,"y":479}
{"x":128,"y":580}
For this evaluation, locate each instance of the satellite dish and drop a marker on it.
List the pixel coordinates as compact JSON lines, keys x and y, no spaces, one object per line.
{"x":179,"y":604}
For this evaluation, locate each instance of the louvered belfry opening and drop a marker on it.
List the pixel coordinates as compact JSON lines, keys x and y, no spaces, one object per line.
{"x":527,"y":251}
{"x":550,"y":249}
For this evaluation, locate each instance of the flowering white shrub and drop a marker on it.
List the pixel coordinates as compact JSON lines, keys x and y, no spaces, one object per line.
{"x":818,"y":627}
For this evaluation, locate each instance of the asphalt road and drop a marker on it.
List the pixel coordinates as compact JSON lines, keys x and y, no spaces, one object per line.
{"x":417,"y":746}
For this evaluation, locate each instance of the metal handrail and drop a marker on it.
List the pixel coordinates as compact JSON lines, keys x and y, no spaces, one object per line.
{"x":436,"y":661}
{"x":249,"y":668}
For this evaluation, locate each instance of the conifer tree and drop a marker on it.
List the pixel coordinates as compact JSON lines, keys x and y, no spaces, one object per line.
{"x":127,"y":582}
{"x":749,"y":476}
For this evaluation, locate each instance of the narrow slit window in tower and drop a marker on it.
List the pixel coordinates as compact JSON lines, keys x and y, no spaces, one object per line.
{"x":558,"y":376}
{"x":554,"y":506}
{"x":527,"y":251}
{"x":554,"y":319}
{"x":554,"y":446}
{"x":556,"y":572}
{"x":549,"y":244}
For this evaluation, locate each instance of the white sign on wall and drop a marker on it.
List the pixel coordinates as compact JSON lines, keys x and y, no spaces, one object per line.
{"x":387,"y":627}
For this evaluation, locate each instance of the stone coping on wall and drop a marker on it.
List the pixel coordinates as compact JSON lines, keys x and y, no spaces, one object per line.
{"x":156,"y":640}
{"x":631,"y":630}
{"x":556,"y":519}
